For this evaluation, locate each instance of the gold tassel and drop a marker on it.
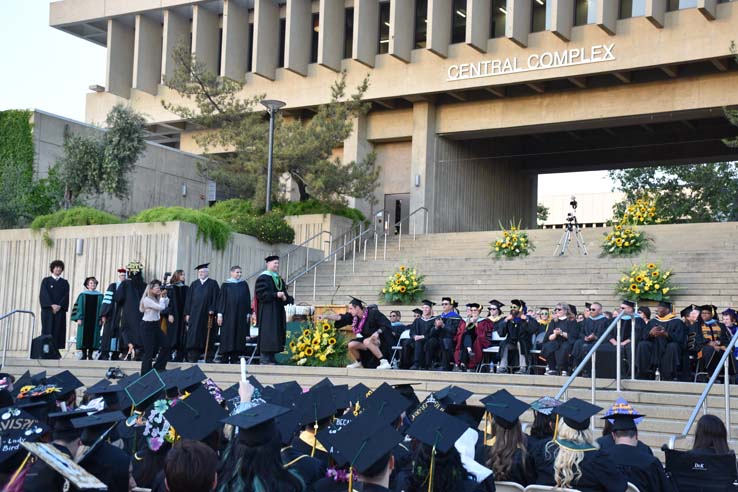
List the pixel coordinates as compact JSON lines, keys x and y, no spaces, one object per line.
{"x":351,"y":479}
{"x":432,"y":469}
{"x":486,"y":426}
{"x":17,"y":472}
{"x":315,"y":439}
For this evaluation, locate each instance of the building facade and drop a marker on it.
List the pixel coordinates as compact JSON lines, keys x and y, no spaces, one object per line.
{"x":471,"y":99}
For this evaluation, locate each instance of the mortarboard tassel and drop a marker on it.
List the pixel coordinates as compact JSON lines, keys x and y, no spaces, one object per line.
{"x":17,"y":472}
{"x":486,"y":426}
{"x":432,"y":469}
{"x":315,"y":439}
{"x":351,"y":479}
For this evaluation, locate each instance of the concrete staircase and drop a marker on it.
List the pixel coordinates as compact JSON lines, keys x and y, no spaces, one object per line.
{"x":702,"y":257}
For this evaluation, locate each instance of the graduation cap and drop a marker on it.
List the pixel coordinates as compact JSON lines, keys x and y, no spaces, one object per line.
{"x":505,"y":408}
{"x":290,"y":389}
{"x":190,"y":379}
{"x":231,"y":397}
{"x":624,"y":421}
{"x":97,"y":420}
{"x":315,"y":405}
{"x":496,"y":303}
{"x":196,"y":416}
{"x":665,"y":304}
{"x":145,"y":388}
{"x":323,"y":382}
{"x":38,"y":408}
{"x":255,"y":383}
{"x":426,"y":302}
{"x":359,"y":393}
{"x":517,"y":303}
{"x":621,"y":405}
{"x":685,"y":312}
{"x":121,"y":270}
{"x":545,"y":405}
{"x":587,"y":305}
{"x":99,"y":387}
{"x":61,"y":422}
{"x":257,"y":425}
{"x":473,"y":305}
{"x":470,"y":414}
{"x":418,"y":311}
{"x":628,"y":303}
{"x":406,"y":390}
{"x":6,"y":381}
{"x":453,"y":395}
{"x":356,"y":302}
{"x":271,"y":258}
{"x":340,"y":396}
{"x":170,"y":378}
{"x":573,"y":309}
{"x":576,"y":413}
{"x":67,"y":383}
{"x":201,"y":266}
{"x":22,"y":381}
{"x":363,"y":446}
{"x":709,"y":307}
{"x":18,"y":426}
{"x":39,"y":378}
{"x":6,"y":399}
{"x":385,"y":404}
{"x":437,"y":429}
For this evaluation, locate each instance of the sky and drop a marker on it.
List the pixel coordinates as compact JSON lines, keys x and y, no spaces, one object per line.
{"x":47,"y":69}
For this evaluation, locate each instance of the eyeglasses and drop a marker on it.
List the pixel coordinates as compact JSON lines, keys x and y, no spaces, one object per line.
{"x":445,"y":304}
{"x":559,"y":309}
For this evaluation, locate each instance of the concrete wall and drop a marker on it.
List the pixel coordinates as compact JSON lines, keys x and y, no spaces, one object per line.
{"x":306,"y":226}
{"x":394,"y":159}
{"x":157,"y":179}
{"x":24,"y":259}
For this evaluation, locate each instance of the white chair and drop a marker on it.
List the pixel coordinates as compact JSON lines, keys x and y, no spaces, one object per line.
{"x":397,"y":349}
{"x":545,"y":488}
{"x":489,"y":352}
{"x":632,"y":488}
{"x":253,"y":332}
{"x":508,"y":487}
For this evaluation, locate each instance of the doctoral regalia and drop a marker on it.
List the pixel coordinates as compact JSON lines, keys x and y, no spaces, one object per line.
{"x":662,"y":352}
{"x":712,"y":331}
{"x":641,"y":469}
{"x":111,"y":328}
{"x":270,"y":315}
{"x":480,"y":333}
{"x":128,"y":297}
{"x":234,"y":303}
{"x":87,"y":309}
{"x":54,"y":291}
{"x":202,"y":298}
{"x":375,"y":320}
{"x":177,"y":331}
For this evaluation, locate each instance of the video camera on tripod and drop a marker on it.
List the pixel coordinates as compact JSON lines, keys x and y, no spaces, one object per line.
{"x":571,"y":225}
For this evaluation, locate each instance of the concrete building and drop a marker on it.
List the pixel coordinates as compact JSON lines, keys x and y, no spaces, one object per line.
{"x":471,"y":99}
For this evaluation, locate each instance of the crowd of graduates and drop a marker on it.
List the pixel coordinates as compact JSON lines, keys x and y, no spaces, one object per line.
{"x":178,"y":431}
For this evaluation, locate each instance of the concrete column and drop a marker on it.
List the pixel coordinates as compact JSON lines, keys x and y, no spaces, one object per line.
{"x":119,"y":72}
{"x":147,"y":54}
{"x":297,"y":40}
{"x":478,"y":13}
{"x":235,"y":41}
{"x":176,"y":32}
{"x":439,"y":26}
{"x":517,"y":21}
{"x":356,"y":148}
{"x":205,"y":34}
{"x":606,"y":15}
{"x":656,"y":12}
{"x":366,"y":31}
{"x":332,"y":30}
{"x":562,"y":18}
{"x":708,"y":8}
{"x":266,"y":38}
{"x":402,"y":16}
{"x":422,"y":158}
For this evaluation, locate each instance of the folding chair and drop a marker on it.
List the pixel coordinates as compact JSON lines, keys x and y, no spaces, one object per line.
{"x":489,"y":353}
{"x":397,"y":349}
{"x":632,"y":488}
{"x":697,"y":472}
{"x":509,"y":487}
{"x":253,"y":333}
{"x":535,"y":352}
{"x":546,"y":488}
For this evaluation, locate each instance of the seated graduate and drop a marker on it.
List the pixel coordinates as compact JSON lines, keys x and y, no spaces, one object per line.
{"x":314,"y":411}
{"x":191,"y":467}
{"x":374,"y":339}
{"x":593,"y":327}
{"x":711,"y":340}
{"x":607,"y":440}
{"x":472,"y":337}
{"x":572,"y":459}
{"x":542,"y":429}
{"x":508,"y":455}
{"x":710,"y":436}
{"x":18,"y":426}
{"x":108,"y":463}
{"x":640,"y":468}
{"x":414,"y":351}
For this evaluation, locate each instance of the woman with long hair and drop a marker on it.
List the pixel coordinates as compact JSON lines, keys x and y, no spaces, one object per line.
{"x":155,"y":341}
{"x":508,"y":455}
{"x":561,"y":333}
{"x":710,"y":436}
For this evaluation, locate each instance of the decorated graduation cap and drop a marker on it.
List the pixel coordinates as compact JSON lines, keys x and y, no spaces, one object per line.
{"x":145,"y":389}
{"x":505,"y":408}
{"x":201,"y":266}
{"x":356,"y":302}
{"x":427,"y":302}
{"x":621,"y":406}
{"x":134,"y":266}
{"x":18,"y":426}
{"x":196,"y":416}
{"x":364,"y":446}
{"x":496,"y":303}
{"x":453,"y":395}
{"x":359,"y":393}
{"x":67,"y":383}
{"x":271,"y":258}
{"x":545,"y":405}
{"x":257,"y":424}
{"x":624,"y":421}
{"x":577,"y":413}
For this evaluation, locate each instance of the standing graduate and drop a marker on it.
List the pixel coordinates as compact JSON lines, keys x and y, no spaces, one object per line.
{"x":109,"y":342}
{"x":54,"y":300}
{"x":662,"y":349}
{"x":86,"y":312}
{"x":176,"y":327}
{"x":127,"y":297}
{"x":234,"y":309}
{"x":271,"y":298}
{"x":200,"y":307}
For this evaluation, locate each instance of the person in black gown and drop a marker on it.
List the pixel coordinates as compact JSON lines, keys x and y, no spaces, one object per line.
{"x":234,"y":309}
{"x":662,"y":349}
{"x":271,"y":298}
{"x":54,"y":300}
{"x":561,"y":333}
{"x":108,"y":463}
{"x":110,"y":340}
{"x":176,"y":327}
{"x":414,"y":355}
{"x":127,"y":297}
{"x":200,"y":307}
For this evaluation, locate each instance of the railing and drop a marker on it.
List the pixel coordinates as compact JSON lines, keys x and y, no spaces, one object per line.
{"x":702,"y":402}
{"x":592,"y":355}
{"x":7,"y":332}
{"x":398,"y":226}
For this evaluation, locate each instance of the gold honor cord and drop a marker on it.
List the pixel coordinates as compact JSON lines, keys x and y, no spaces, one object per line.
{"x":17,"y":472}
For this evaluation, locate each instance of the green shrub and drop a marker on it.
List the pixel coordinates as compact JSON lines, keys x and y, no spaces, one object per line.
{"x":229,"y":209}
{"x":241,"y":216}
{"x":75,"y":216}
{"x":272,"y":229}
{"x":208,"y":227}
{"x":313,"y":206}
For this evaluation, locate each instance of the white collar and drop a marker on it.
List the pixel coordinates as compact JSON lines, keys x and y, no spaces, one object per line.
{"x":203,"y":280}
{"x":55,"y":277}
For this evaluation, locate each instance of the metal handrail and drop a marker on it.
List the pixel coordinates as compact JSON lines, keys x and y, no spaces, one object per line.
{"x":298,"y":246}
{"x":702,"y":402}
{"x":7,"y":332}
{"x":399,"y":234}
{"x":592,"y":354}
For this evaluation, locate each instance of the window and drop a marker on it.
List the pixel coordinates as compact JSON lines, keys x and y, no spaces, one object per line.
{"x":384,"y":28}
{"x":458,"y":28}
{"x":348,"y":44}
{"x":682,"y":4}
{"x":220,"y":50}
{"x":581,"y":12}
{"x":499,"y":17}
{"x":539,"y":16}
{"x":282,"y":33}
{"x":421,"y":23}
{"x":250,"y":53}
{"x":314,"y":39}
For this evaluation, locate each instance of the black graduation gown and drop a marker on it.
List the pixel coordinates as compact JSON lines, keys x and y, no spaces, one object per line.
{"x":311,"y":470}
{"x":54,"y":292}
{"x":111,"y":328}
{"x":110,"y":465}
{"x":43,"y":478}
{"x":524,"y":475}
{"x":590,"y":326}
{"x":709,"y":355}
{"x":517,"y":330}
{"x":641,"y":469}
{"x":662,"y":353}
{"x":375,"y":320}
{"x":299,"y":448}
{"x":128,"y":297}
{"x":414,"y":351}
{"x":202,"y":298}
{"x":607,"y":442}
{"x":270,"y":315}
{"x":556,"y":352}
{"x":234,"y":303}
{"x":177,"y":331}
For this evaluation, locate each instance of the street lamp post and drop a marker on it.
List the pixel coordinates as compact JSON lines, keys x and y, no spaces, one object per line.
{"x":272,"y":106}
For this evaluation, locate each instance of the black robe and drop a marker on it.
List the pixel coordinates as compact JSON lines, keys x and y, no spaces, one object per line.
{"x":128,"y":298}
{"x":641,"y":469}
{"x":557,"y":351}
{"x":607,"y":442}
{"x":111,"y":328}
{"x":177,"y":331}
{"x":234,"y":303}
{"x":413,"y":351}
{"x":270,"y":315}
{"x":709,"y":355}
{"x":54,"y":292}
{"x":521,"y":471}
{"x":110,"y":465}
{"x":202,"y":299}
{"x":662,"y":353}
{"x":375,"y":320}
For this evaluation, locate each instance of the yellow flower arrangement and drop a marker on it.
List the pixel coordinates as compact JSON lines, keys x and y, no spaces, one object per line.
{"x":316,"y":344}
{"x":513,"y":243}
{"x":641,"y":212}
{"x":405,"y":286}
{"x":646,"y":281}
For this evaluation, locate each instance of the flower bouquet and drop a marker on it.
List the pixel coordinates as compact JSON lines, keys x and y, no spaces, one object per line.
{"x":405,"y":286}
{"x":513,"y":243}
{"x":646,"y":281}
{"x":317,"y":344}
{"x":624,"y":240}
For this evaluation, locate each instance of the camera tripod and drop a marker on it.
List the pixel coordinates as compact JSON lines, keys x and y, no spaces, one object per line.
{"x":572,"y":227}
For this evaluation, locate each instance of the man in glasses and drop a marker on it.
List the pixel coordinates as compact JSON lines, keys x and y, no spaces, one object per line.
{"x":518,"y":329}
{"x":440,"y":344}
{"x":594,"y":325}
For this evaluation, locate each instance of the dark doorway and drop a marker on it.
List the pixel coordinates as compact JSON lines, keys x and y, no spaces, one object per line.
{"x":397,"y":207}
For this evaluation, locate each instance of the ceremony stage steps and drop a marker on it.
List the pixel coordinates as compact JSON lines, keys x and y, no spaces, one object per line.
{"x":666,"y":404}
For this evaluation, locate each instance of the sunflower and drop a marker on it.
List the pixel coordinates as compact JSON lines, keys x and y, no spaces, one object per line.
{"x":402,"y":289}
{"x":316,"y":341}
{"x":633,"y":287}
{"x":293,"y":345}
{"x":308,"y":352}
{"x":326,"y":327}
{"x":402,"y":268}
{"x":651,"y":266}
{"x":639,"y":279}
{"x":306,"y":332}
{"x":618,"y":241}
{"x":331,"y":341}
